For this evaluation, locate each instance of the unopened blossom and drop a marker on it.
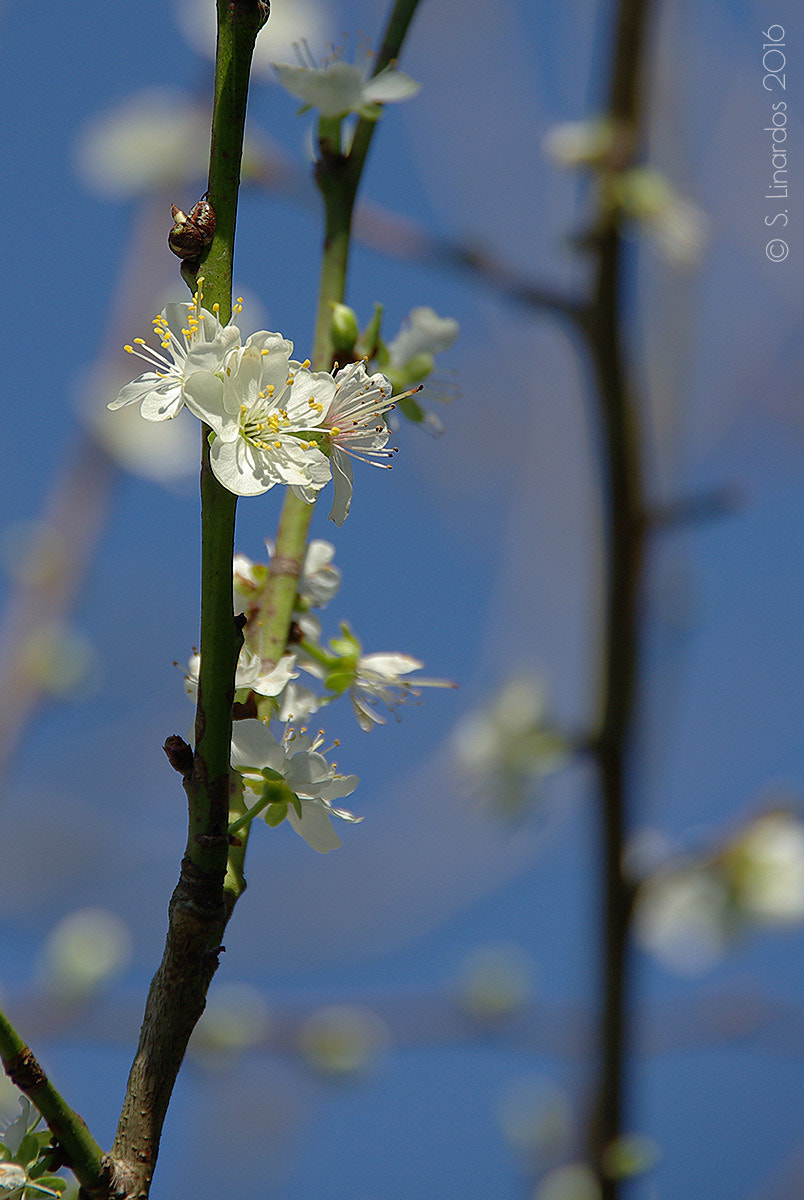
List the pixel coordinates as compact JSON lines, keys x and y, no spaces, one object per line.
{"x":192,"y":339}
{"x":313,"y":782}
{"x":262,"y":408}
{"x":341,"y":87}
{"x":354,"y":424}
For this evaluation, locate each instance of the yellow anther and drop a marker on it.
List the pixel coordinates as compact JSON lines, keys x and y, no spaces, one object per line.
{"x":139,"y":342}
{"x":130,"y":349}
{"x":277,"y":445}
{"x":306,"y":362}
{"x":335,"y":431}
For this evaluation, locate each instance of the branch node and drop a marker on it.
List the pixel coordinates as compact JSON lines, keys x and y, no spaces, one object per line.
{"x":25,"y":1072}
{"x":179,"y":754}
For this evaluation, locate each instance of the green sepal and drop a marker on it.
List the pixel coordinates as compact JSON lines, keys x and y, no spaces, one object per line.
{"x":339,"y":681}
{"x":347,"y":645}
{"x":414,"y":371}
{"x":369,"y":344}
{"x":411,"y":409}
{"x":297,"y":804}
{"x":275,"y":813}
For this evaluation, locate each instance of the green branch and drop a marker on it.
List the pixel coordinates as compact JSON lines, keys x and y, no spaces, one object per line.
{"x":200,"y":908}
{"x":84,"y":1156}
{"x":338,"y":178}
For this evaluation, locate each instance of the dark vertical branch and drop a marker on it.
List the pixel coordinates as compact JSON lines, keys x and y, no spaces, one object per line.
{"x":625,"y":527}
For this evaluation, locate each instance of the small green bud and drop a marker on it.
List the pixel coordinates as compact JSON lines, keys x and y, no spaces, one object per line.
{"x":344,"y":330}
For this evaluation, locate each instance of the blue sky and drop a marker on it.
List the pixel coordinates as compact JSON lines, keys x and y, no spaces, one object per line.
{"x":477,"y":554}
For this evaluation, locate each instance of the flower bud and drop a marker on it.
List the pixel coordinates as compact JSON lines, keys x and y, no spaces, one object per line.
{"x":344,"y":330}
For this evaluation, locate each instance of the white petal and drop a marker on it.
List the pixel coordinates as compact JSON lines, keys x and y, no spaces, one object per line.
{"x":138,"y":389}
{"x":342,"y":478}
{"x":237,"y":468}
{"x":203,"y":395}
{"x":314,"y":826}
{"x":388,"y":86}
{"x":389,"y":666}
{"x":253,"y":745}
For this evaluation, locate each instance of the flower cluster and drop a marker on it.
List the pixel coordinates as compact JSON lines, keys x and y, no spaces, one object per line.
{"x":289,"y":778}
{"x":691,"y":908}
{"x":273,"y":419}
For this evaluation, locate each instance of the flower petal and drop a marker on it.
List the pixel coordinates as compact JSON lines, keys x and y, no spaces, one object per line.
{"x":314,"y":826}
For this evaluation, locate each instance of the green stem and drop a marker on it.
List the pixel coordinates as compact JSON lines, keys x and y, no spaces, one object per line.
{"x":338,"y":177}
{"x":280,"y":791}
{"x":84,"y":1156}
{"x":200,"y":907}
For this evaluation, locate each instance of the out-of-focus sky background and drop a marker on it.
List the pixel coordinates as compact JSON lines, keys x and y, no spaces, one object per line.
{"x":479,"y":554}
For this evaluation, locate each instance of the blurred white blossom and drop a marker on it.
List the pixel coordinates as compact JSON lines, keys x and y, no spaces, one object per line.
{"x":496,"y":981}
{"x":291,"y":22}
{"x":677,"y":225}
{"x":342,"y":1039}
{"x":235,"y":1019}
{"x":505,"y":748}
{"x":536,"y":1119}
{"x":692,"y":909}
{"x":575,"y":1181}
{"x":580,"y":143}
{"x":83,"y":952}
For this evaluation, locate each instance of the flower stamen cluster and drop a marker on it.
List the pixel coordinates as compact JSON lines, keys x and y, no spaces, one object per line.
{"x":273,"y":419}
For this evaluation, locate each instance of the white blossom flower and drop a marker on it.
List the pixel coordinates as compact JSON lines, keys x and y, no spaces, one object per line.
{"x":353,"y":421}
{"x":378,"y":680}
{"x":765,"y":866}
{"x":250,"y":675}
{"x":319,"y":580}
{"x":682,"y":916}
{"x":422,"y":335}
{"x":312,"y":780}
{"x":193,"y":340}
{"x":260,"y":408}
{"x":692,"y":909}
{"x":677,"y":225}
{"x":506,"y":748}
{"x":582,"y":143}
{"x":340,"y":88}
